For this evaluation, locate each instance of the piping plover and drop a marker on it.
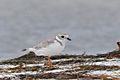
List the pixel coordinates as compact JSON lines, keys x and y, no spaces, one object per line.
{"x":50,"y":47}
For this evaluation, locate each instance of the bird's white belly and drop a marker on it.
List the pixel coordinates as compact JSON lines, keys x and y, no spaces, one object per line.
{"x":53,"y":49}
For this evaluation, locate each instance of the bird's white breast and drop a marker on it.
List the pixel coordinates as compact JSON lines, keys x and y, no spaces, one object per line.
{"x":52,"y":49}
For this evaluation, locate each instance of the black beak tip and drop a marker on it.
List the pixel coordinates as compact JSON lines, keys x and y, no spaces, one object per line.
{"x":69,"y":39}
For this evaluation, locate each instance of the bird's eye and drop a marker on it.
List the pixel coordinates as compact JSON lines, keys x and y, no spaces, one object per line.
{"x":62,"y":36}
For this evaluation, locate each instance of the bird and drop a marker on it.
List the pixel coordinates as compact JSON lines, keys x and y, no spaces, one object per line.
{"x":50,"y":47}
{"x":118,"y":44}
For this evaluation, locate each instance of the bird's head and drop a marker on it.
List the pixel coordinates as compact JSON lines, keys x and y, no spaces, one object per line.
{"x":63,"y":37}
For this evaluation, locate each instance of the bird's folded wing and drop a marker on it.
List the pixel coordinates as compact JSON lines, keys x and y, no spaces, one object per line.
{"x":44,"y":44}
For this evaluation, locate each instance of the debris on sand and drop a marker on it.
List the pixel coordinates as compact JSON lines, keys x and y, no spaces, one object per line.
{"x":87,"y":67}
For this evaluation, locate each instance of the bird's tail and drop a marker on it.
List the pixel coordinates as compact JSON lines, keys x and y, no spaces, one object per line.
{"x":27,"y":50}
{"x":24,"y":49}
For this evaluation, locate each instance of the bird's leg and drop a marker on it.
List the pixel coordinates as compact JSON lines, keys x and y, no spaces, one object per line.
{"x":49,"y":63}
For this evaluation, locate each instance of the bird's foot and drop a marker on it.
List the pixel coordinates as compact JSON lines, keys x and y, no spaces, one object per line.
{"x":49,"y":63}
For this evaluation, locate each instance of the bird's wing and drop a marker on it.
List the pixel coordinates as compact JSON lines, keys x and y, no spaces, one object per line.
{"x":44,"y":44}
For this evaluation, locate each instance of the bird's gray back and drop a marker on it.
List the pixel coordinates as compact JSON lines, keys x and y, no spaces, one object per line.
{"x":44,"y":43}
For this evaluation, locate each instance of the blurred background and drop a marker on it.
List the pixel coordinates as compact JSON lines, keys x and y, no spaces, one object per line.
{"x":92,"y":24}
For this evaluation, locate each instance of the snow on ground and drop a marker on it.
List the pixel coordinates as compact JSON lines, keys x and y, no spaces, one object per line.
{"x":58,"y":70}
{"x":58,"y":60}
{"x":63,"y":68}
{"x":7,"y":66}
{"x":31,"y":65}
{"x":111,"y":62}
{"x":2,"y":75}
{"x":105,"y":72}
{"x":27,"y":72}
{"x":13,"y":66}
{"x":108,"y":62}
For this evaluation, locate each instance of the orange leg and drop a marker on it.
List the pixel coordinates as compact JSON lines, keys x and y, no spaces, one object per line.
{"x":49,"y":63}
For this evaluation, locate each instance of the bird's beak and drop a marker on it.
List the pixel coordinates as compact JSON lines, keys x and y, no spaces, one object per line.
{"x":69,"y":39}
